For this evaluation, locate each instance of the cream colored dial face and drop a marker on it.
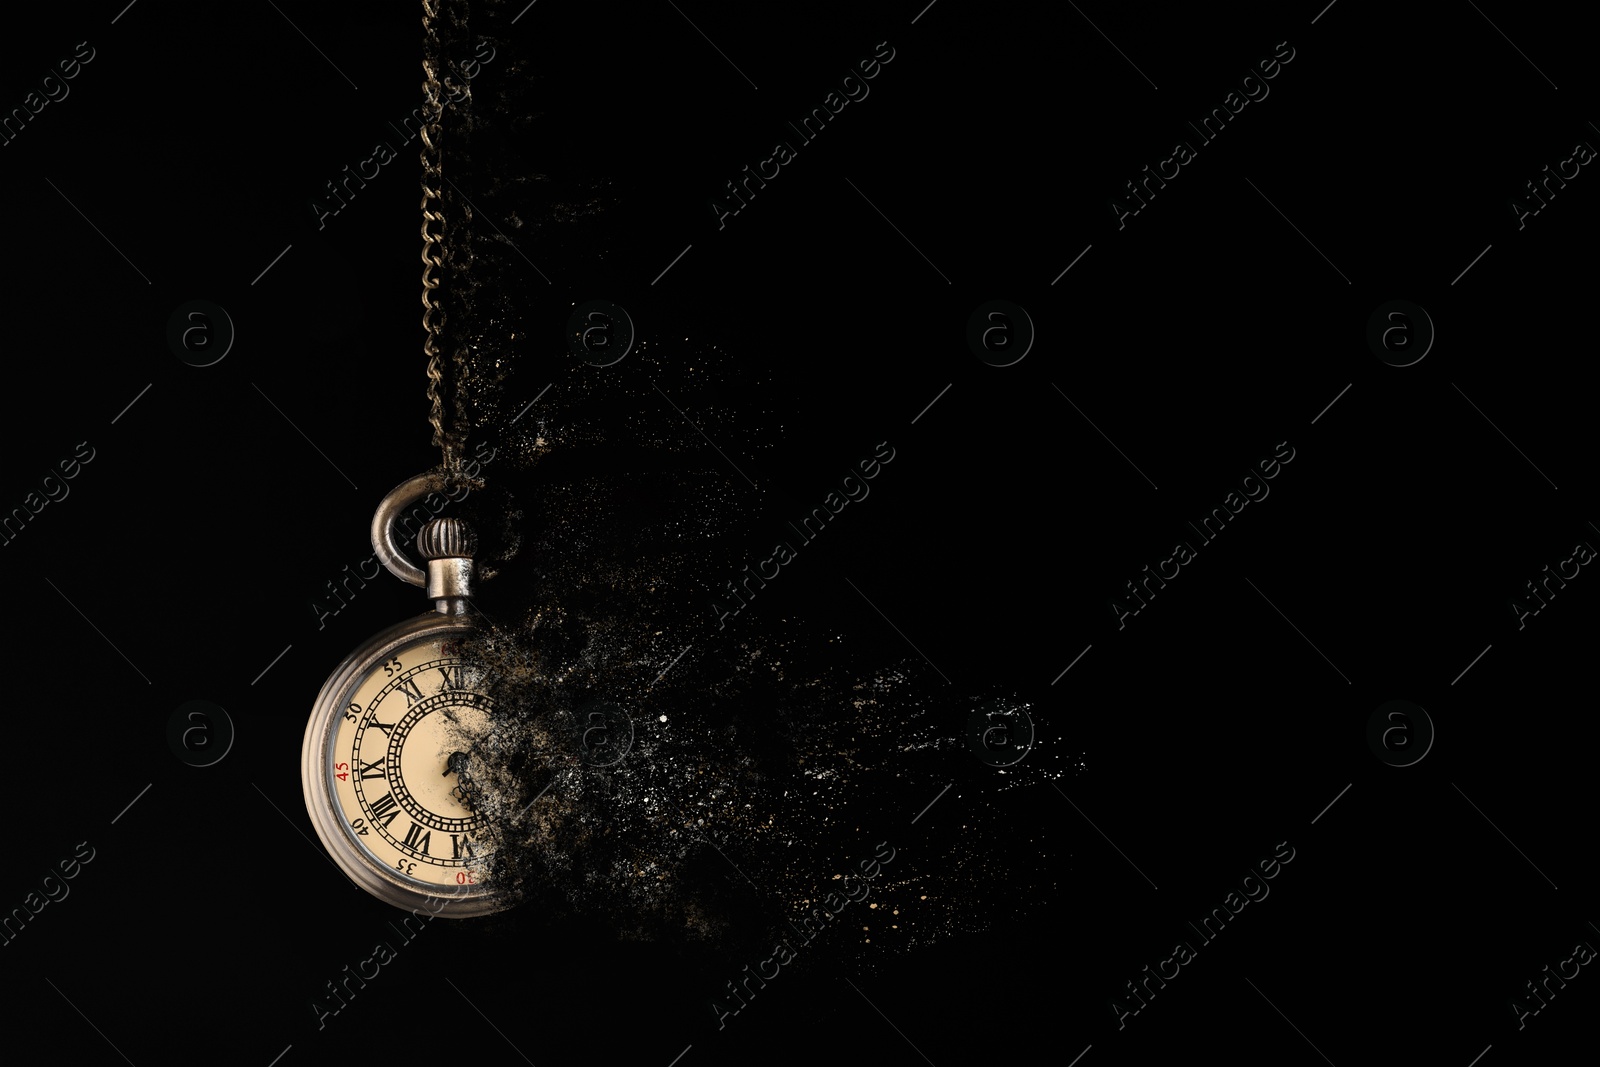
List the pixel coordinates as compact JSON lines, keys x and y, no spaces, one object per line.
{"x":395,"y":757}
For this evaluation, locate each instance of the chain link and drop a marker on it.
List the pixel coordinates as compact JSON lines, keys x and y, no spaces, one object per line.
{"x":452,"y":440}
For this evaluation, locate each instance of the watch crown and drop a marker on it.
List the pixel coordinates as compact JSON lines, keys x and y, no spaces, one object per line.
{"x":447,"y":539}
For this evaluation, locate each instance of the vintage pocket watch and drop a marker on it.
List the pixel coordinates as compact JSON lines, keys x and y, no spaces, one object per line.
{"x":397,"y":724}
{"x":394,"y":727}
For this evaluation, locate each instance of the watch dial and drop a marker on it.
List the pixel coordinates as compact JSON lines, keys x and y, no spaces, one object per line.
{"x":405,"y":735}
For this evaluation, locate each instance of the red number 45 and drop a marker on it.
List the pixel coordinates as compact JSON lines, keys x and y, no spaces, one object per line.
{"x":344,"y":771}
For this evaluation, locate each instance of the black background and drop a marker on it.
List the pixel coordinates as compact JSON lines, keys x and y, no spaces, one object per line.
{"x":1197,"y":337}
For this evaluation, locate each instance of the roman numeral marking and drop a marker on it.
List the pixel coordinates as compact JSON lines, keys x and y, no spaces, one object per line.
{"x":384,"y":726}
{"x":371,"y":770}
{"x":458,"y":842}
{"x":386,"y":805}
{"x":409,"y":687}
{"x":418,"y":840}
{"x":454,"y":677}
